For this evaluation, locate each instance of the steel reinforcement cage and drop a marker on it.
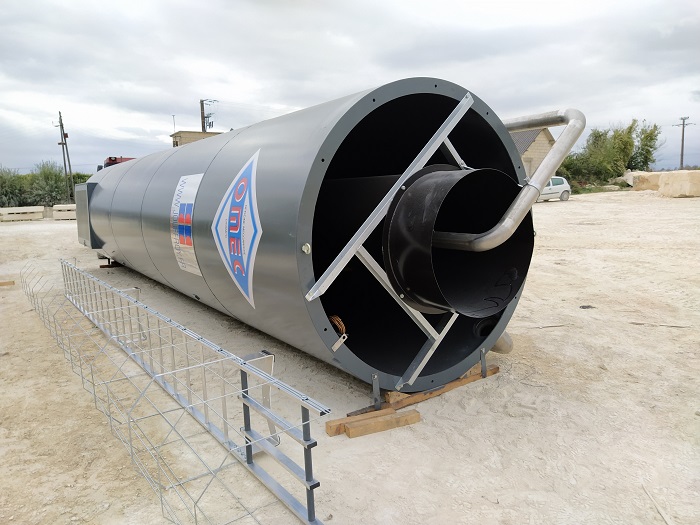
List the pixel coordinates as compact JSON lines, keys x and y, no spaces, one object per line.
{"x":188,"y":411}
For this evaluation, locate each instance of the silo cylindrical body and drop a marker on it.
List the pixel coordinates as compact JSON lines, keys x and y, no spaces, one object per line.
{"x":247,"y":221}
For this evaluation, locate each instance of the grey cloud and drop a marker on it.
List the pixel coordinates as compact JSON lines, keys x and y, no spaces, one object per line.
{"x":161,"y":58}
{"x":465,"y":45}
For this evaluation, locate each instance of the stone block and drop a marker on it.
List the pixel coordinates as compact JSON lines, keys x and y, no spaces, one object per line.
{"x":681,"y":183}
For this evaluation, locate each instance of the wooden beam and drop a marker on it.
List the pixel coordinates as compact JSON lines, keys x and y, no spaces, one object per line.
{"x":393,"y":397}
{"x":7,"y":283}
{"x":405,"y":400}
{"x":335,"y":427}
{"x":412,"y":399}
{"x":381,"y":423}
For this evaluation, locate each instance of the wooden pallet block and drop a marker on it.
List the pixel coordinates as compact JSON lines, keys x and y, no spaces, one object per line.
{"x":398,"y":400}
{"x":336,"y":427}
{"x":379,"y":424}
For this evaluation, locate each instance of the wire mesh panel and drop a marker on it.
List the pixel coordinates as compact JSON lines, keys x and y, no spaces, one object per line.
{"x":189,"y":412}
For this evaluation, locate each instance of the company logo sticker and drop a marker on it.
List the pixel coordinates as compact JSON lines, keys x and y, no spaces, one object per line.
{"x":237,"y":230}
{"x":181,"y":222}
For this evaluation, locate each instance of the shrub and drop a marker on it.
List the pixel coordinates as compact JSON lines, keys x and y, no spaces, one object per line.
{"x":13,"y":189}
{"x":48,"y":185}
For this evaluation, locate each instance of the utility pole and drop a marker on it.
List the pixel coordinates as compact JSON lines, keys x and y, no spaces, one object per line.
{"x":683,"y":124}
{"x":64,"y":148}
{"x":206,"y":119}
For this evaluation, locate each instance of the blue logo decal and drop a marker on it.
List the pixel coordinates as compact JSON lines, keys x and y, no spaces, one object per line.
{"x":237,"y":229}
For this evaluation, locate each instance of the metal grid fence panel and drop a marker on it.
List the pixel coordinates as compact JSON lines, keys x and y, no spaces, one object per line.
{"x":189,"y":413}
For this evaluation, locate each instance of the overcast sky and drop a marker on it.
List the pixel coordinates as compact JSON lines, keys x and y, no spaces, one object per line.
{"x":119,"y":71}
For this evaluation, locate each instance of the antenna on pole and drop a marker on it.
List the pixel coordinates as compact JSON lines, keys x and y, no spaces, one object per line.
{"x":683,"y":124}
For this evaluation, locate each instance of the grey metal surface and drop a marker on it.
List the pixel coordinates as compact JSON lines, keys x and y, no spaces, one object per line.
{"x":378,"y":132}
{"x":86,"y":236}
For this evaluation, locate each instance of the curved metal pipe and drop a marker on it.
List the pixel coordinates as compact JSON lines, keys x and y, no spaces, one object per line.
{"x":480,"y":242}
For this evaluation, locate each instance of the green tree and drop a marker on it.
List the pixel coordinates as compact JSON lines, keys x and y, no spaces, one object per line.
{"x":622,"y":146}
{"x":646,"y":145}
{"x":609,"y":152}
{"x":48,"y":185}
{"x":598,"y":161}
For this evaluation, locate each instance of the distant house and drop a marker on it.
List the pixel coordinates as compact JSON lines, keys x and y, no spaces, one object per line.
{"x":180,"y":138}
{"x":533,"y":146}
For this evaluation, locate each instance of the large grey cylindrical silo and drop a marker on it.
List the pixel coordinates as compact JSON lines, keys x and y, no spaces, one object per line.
{"x":248,"y":221}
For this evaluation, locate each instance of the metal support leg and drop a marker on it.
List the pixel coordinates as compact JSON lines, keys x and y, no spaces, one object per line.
{"x":376,"y":392}
{"x":246,"y":419}
{"x":308,"y":465}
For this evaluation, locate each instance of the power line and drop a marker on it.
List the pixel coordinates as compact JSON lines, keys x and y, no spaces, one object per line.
{"x":683,"y":124}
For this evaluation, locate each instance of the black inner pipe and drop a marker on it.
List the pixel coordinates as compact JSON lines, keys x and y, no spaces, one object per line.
{"x":434,"y":279}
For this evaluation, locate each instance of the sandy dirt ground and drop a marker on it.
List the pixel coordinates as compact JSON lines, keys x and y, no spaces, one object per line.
{"x":594,"y":417}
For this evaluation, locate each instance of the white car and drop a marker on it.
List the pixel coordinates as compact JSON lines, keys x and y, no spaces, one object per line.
{"x":556,"y":188}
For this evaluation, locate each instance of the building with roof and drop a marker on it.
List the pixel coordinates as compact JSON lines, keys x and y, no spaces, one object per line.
{"x":533,"y":146}
{"x":180,"y":138}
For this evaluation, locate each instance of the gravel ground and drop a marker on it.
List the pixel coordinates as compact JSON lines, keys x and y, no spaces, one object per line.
{"x":594,"y":417}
